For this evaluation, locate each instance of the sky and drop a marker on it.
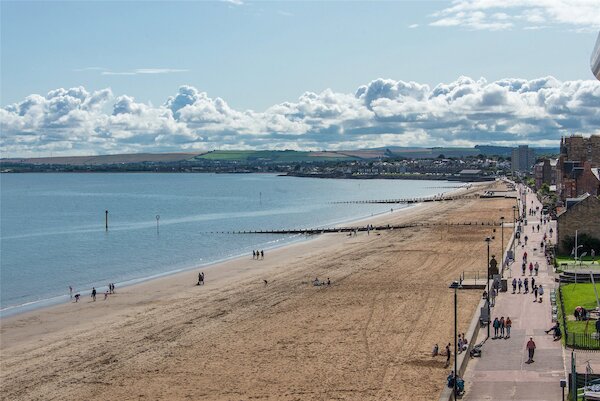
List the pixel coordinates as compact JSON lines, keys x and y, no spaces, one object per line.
{"x":99,"y":77}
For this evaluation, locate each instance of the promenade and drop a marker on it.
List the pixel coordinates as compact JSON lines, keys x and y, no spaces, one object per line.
{"x":502,"y":372}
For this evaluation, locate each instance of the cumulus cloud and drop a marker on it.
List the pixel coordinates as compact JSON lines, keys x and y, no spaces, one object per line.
{"x":580,"y":15}
{"x":383,"y":112}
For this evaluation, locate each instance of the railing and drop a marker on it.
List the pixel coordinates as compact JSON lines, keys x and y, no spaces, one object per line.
{"x":583,"y":340}
{"x":477,"y":276}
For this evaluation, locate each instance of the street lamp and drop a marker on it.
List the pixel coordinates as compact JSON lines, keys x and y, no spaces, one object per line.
{"x":487,"y":297}
{"x":502,"y":236}
{"x":514,"y":232}
{"x":456,"y":285}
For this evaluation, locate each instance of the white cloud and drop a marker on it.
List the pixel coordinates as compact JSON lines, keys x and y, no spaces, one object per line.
{"x":383,"y":112}
{"x":412,"y":26}
{"x":581,"y":15}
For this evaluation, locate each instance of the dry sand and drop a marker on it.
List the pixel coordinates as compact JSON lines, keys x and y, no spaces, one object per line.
{"x":367,"y":337}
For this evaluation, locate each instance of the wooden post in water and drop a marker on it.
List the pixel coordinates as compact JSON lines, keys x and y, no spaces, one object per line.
{"x":106,"y":219}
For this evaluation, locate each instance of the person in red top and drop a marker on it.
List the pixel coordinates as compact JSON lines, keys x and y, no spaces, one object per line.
{"x":530,"y":349}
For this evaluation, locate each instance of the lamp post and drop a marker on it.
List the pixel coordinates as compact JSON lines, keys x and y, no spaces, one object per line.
{"x":487,"y":297}
{"x":502,"y":236}
{"x":514,"y":232}
{"x":456,"y":286}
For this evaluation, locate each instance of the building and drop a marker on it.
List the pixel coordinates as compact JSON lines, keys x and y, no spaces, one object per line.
{"x":595,"y":61}
{"x":522,"y":159}
{"x":577,"y":167}
{"x":545,"y":172}
{"x":583,"y":215}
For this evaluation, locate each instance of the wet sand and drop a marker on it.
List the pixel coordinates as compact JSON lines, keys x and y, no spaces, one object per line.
{"x":367,"y":336}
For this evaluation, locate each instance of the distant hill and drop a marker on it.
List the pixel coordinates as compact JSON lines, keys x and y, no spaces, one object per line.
{"x":276,"y":156}
{"x":105,"y":159}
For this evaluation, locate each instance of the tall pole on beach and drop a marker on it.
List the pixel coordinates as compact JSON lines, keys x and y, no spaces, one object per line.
{"x":106,"y":220}
{"x":487,"y":297}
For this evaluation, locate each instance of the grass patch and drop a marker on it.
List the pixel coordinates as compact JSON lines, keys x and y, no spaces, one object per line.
{"x":574,"y":295}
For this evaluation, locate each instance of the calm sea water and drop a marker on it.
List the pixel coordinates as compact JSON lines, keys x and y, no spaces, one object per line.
{"x":52,"y":231}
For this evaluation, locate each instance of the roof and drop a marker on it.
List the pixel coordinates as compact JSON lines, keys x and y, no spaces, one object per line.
{"x":467,"y":171}
{"x":596,"y":172}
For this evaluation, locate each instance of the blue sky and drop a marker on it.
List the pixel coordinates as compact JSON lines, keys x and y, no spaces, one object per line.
{"x":261,"y":56}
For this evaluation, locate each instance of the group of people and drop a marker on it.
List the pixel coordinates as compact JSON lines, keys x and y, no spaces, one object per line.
{"x":77,"y":296}
{"x":317,"y":282}
{"x":258,"y":254}
{"x":535,"y":289}
{"x":502,"y":327}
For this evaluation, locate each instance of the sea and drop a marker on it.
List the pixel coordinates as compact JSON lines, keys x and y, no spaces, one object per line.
{"x":53,"y":234}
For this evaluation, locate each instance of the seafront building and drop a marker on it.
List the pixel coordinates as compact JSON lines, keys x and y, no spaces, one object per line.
{"x":523,"y":159}
{"x":577,"y":169}
{"x":545,"y":173}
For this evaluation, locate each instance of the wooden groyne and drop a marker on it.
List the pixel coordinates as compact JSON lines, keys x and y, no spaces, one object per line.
{"x":326,"y":230}
{"x":414,"y":200}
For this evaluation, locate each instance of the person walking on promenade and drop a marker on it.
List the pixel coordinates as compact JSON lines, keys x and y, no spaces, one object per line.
{"x":526,"y":238}
{"x":525,"y":256}
{"x":531,"y":268}
{"x":508,"y":324}
{"x":526,"y":285}
{"x":541,"y":292}
{"x":520,"y":285}
{"x":536,"y":267}
{"x":532,"y":282}
{"x":493,"y":297}
{"x":514,"y":285}
{"x":535,"y":293}
{"x":530,"y":349}
{"x":502,"y":325}
{"x":94,"y":293}
{"x":523,"y":268}
{"x":496,"y":326}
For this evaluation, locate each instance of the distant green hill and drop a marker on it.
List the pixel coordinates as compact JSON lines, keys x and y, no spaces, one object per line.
{"x":281,"y":156}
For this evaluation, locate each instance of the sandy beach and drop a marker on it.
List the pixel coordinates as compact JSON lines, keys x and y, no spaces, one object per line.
{"x":367,"y":336}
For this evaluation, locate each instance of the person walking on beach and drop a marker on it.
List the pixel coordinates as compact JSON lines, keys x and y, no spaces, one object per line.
{"x":262,"y":254}
{"x":105,"y":295}
{"x":253,"y":254}
{"x":508,"y":325}
{"x":77,"y":297}
{"x":94,"y":293}
{"x":530,"y":349}
{"x":514,"y":285}
{"x":200,"y":278}
{"x":448,"y":355}
{"x":71,"y":292}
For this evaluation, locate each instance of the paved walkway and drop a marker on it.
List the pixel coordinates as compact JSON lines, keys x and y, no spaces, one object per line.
{"x":502,"y":372}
